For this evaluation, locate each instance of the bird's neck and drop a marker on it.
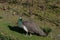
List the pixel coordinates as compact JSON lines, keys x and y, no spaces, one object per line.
{"x":20,"y":22}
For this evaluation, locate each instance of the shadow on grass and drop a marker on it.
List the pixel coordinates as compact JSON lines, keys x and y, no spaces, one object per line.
{"x":19,"y":30}
{"x":16,"y":29}
{"x":22,"y":31}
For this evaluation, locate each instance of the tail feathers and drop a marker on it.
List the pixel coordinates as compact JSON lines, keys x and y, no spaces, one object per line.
{"x":41,"y":33}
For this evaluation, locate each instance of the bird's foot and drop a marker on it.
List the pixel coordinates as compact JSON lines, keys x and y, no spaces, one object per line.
{"x":30,"y":35}
{"x":27,"y":34}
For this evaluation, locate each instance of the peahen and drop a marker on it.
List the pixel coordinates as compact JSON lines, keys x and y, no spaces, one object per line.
{"x":31,"y":27}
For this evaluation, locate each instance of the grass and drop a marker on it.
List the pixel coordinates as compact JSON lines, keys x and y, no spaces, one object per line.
{"x":6,"y":31}
{"x":3,"y":37}
{"x":50,"y":17}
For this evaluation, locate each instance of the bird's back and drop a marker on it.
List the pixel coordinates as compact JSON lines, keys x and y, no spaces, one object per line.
{"x":33,"y":28}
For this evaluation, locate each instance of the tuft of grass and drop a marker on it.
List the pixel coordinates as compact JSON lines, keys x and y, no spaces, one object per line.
{"x":47,"y":30}
{"x":1,"y":17}
{"x":3,"y":37}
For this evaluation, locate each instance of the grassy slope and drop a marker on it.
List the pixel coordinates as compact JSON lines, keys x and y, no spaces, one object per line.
{"x":50,"y":14}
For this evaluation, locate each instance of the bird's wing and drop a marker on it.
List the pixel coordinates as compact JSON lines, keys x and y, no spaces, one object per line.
{"x":34,"y":28}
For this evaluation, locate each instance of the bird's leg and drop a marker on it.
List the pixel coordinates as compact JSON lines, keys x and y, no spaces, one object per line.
{"x":26,"y":33}
{"x":30,"y":34}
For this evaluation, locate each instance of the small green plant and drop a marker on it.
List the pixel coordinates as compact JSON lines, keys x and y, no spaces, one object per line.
{"x":47,"y":30}
{"x":1,"y":17}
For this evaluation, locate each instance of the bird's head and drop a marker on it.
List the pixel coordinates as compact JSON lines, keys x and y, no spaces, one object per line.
{"x":20,"y":17}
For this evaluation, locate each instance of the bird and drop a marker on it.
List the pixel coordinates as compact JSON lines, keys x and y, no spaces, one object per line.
{"x":30,"y":27}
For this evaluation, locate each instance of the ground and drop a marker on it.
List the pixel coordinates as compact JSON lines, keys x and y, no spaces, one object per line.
{"x":44,"y":17}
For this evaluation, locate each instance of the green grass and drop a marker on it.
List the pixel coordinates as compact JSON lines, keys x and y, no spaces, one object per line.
{"x":6,"y":31}
{"x":17,"y":36}
{"x":51,"y":17}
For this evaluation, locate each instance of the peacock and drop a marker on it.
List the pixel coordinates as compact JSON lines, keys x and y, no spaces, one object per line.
{"x":30,"y":27}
